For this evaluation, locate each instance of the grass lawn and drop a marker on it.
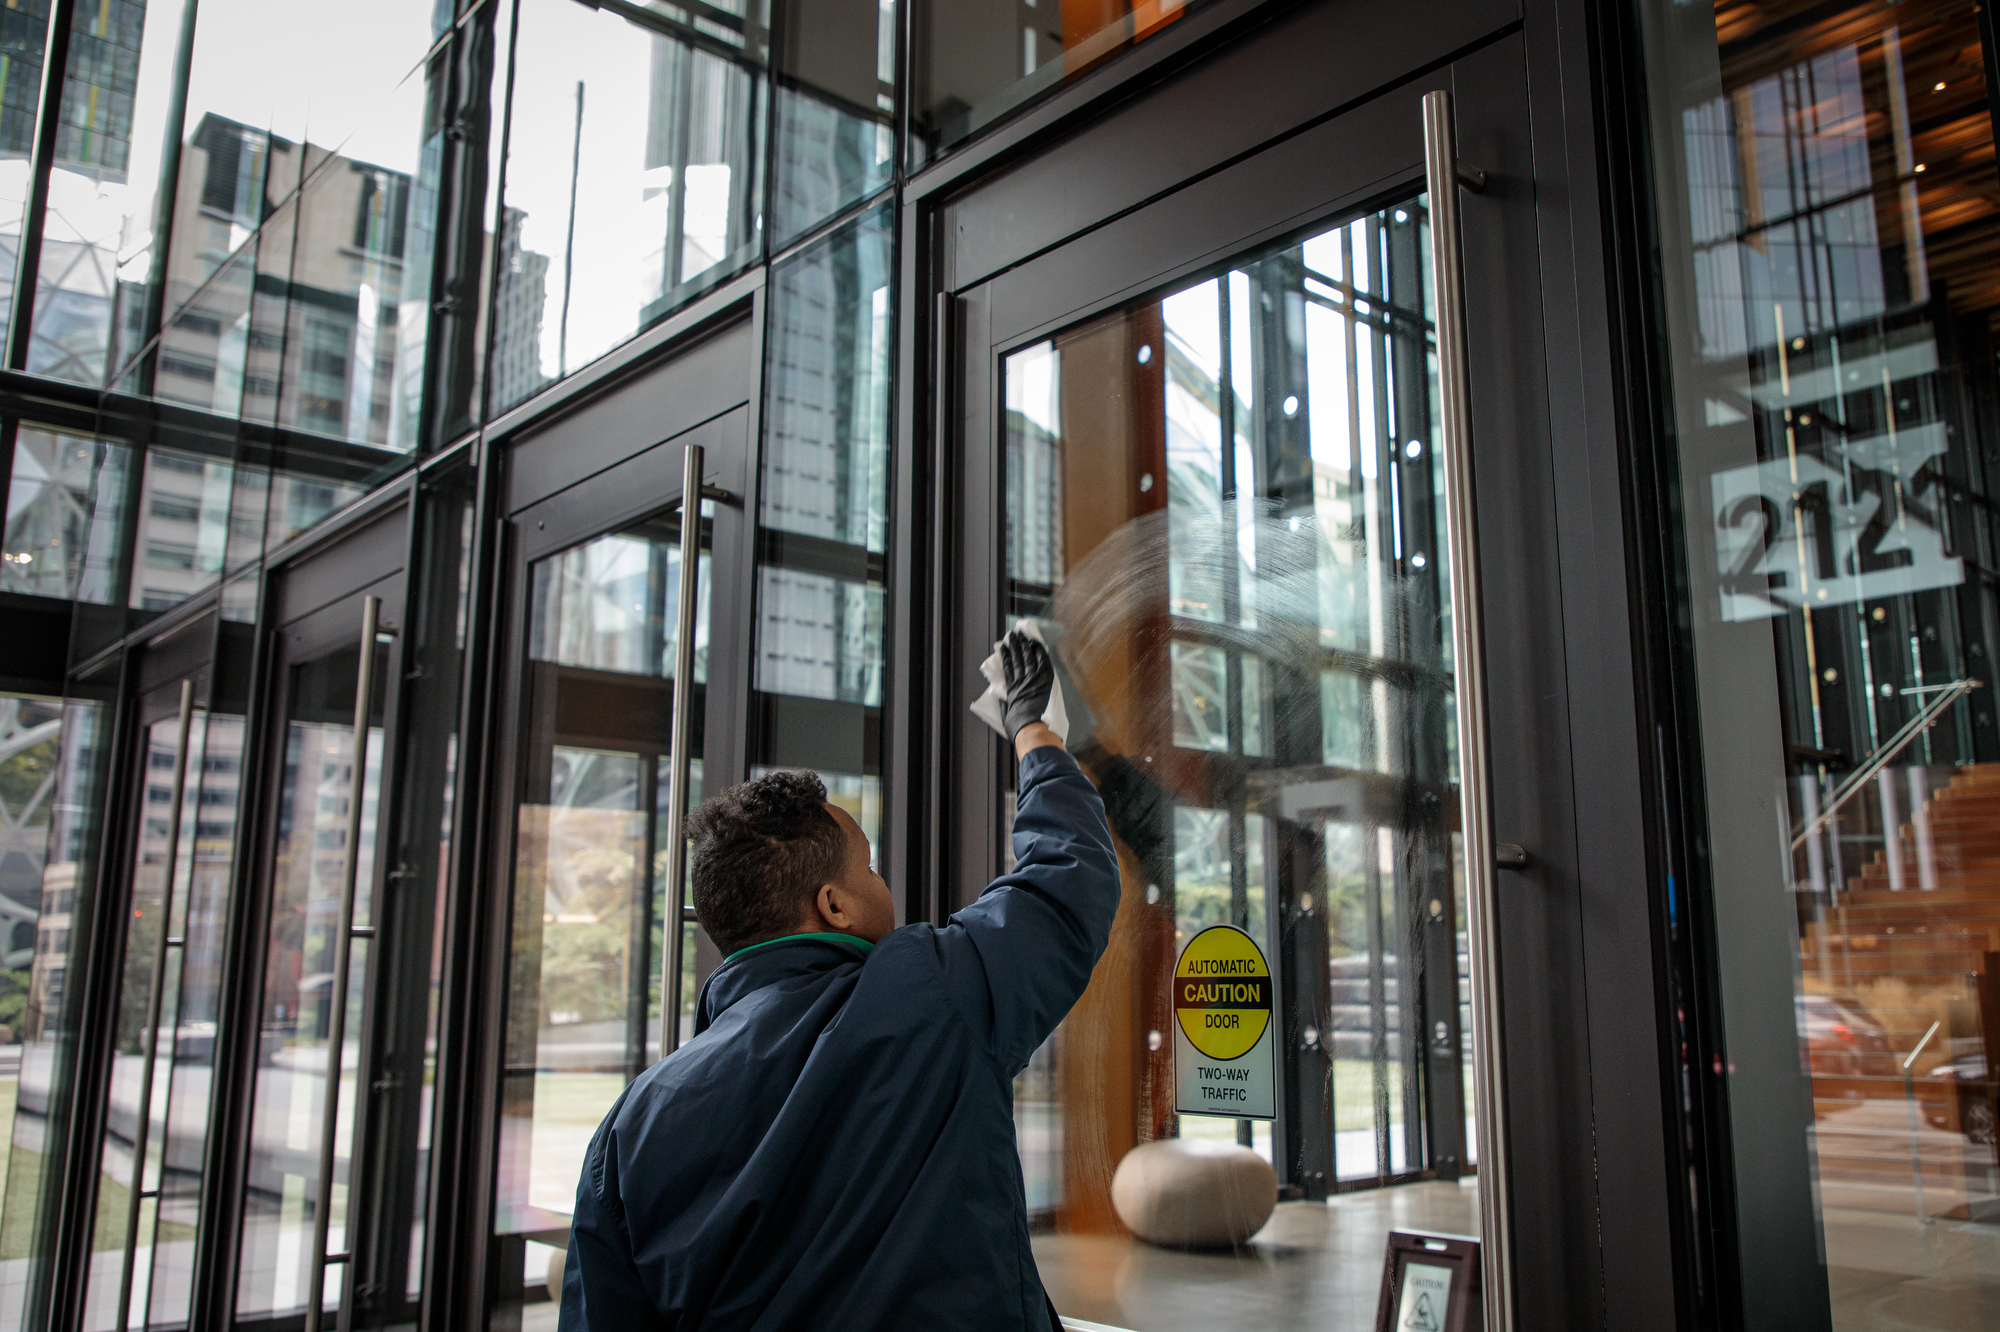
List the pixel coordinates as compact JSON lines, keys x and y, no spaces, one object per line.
{"x":22,"y":1169}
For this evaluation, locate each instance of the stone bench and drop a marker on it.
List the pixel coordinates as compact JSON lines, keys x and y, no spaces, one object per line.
{"x":1187,"y":1193}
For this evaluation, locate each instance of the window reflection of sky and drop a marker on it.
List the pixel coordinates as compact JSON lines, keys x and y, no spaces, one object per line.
{"x":602,"y":113}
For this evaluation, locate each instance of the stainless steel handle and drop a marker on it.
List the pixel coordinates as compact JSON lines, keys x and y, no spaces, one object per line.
{"x":678,"y":758}
{"x":343,"y":943}
{"x":1443,"y":175}
{"x":142,"y":1131}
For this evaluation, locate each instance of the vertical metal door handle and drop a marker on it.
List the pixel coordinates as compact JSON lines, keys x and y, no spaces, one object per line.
{"x":142,"y":1131}
{"x":1443,"y":176}
{"x":678,"y":758}
{"x":343,"y":940}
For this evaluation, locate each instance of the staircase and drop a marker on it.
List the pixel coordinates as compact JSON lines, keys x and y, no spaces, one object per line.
{"x":1937,"y":930}
{"x":1898,"y":961}
{"x":1965,"y":837}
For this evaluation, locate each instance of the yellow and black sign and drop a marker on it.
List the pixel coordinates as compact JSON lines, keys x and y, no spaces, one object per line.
{"x":1222,"y":992}
{"x":1222,"y":1005}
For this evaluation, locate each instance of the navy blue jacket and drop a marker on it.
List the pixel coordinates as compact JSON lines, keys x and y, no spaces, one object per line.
{"x":834,"y":1148}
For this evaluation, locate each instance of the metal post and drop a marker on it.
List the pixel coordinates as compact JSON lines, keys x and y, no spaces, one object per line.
{"x":1442,"y":174}
{"x":569,"y":239}
{"x":343,"y":940}
{"x":149,"y":1042}
{"x":42,"y":156}
{"x":678,"y":758}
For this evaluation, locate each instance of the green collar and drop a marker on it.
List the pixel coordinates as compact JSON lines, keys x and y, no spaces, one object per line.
{"x":865,"y":947}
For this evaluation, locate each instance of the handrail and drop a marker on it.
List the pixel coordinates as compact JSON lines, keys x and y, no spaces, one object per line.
{"x":1851,"y":785}
{"x":1921,"y":1044}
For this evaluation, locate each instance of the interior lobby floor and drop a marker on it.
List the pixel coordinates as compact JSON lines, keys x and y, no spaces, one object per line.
{"x":1889,"y":1273}
{"x":1313,"y":1265}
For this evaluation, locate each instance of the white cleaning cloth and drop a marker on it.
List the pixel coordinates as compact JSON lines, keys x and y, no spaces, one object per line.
{"x":991,"y":707}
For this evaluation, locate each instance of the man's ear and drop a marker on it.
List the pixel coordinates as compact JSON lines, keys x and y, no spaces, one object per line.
{"x":838,"y":907}
{"x":831,"y":902}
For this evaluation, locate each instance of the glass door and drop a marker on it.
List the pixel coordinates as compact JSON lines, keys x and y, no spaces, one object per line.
{"x":184,"y":788}
{"x":324,"y":876}
{"x":1227,"y":504}
{"x":604,"y":958}
{"x":1235,"y":495}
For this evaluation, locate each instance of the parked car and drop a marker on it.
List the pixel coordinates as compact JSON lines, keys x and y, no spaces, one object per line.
{"x":1841,"y":1039}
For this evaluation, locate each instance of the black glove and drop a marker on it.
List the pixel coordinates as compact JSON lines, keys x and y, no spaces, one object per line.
{"x":1031,"y":678}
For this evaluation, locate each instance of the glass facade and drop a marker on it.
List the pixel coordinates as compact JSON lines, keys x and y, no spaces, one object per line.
{"x":259,"y":239}
{"x":1827,"y":208}
{"x":320,"y":882}
{"x":288,"y":1038}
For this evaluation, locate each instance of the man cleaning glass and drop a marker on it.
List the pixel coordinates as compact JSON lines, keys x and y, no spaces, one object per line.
{"x":834,"y":1148}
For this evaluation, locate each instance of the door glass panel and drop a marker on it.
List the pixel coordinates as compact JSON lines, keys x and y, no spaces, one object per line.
{"x":200,"y":924}
{"x":308,"y":878}
{"x":1224,"y":508}
{"x":590,"y":915}
{"x":162,"y":1069}
{"x":1829,"y":219}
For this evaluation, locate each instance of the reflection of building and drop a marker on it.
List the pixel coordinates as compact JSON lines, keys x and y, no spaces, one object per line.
{"x":319,"y":783}
{"x":48,"y":512}
{"x":23,"y":34}
{"x":519,"y":295}
{"x":820,"y":630}
{"x":62,"y":848}
{"x":183,"y":526}
{"x":29,"y":738}
{"x":87,"y":223}
{"x":304,"y":328}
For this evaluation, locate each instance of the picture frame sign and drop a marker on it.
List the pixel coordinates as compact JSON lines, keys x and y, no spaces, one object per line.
{"x":1430,"y":1283}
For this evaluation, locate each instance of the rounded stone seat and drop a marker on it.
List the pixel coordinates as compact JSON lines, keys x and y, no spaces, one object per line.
{"x":1188,"y":1193}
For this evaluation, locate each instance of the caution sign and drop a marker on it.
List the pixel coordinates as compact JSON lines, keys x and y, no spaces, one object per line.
{"x":1224,"y":1038}
{"x":1426,"y":1297}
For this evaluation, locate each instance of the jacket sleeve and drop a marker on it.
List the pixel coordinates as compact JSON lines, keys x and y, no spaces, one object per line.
{"x":601,"y":1287}
{"x":1018,"y":959}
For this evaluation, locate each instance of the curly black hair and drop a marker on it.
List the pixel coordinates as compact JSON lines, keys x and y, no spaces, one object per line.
{"x":761,"y":850}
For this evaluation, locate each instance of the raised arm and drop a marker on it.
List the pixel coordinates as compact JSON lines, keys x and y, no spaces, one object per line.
{"x":1018,"y":959}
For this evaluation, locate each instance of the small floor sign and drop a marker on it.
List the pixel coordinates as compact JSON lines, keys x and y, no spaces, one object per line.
{"x":1224,"y":1036}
